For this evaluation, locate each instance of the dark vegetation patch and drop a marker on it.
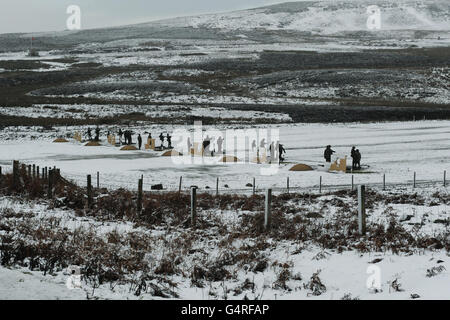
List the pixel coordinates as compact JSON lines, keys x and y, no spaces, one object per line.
{"x":356,"y":111}
{"x":193,"y":54}
{"x":15,"y":85}
{"x":124,"y":119}
{"x":273,"y":61}
{"x":86,"y":65}
{"x":292,"y":214}
{"x":22,"y":65}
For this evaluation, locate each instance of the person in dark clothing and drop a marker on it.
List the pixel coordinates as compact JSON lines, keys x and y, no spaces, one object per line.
{"x":89,"y":133}
{"x":281,"y":150}
{"x":327,"y":153}
{"x":206,"y":144}
{"x":97,"y":134}
{"x":169,"y":141}
{"x":353,"y":155}
{"x":161,"y":137}
{"x":128,"y":139}
{"x":358,"y":159}
{"x":139,"y":141}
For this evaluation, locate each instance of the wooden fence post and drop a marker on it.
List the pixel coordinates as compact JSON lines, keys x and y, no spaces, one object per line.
{"x":414,"y":183}
{"x":139,"y":198}
{"x":179,"y":186}
{"x":287,"y":184}
{"x":16,"y":174}
{"x":217,"y":186}
{"x":362,"y":209}
{"x":352,"y":182}
{"x":98,"y":180}
{"x":50,"y":184}
{"x":22,"y":173}
{"x":193,"y":206}
{"x":384,"y":182}
{"x":37,"y":172}
{"x":89,"y":191}
{"x":445,"y":178}
{"x":320,"y":184}
{"x":29,"y":170}
{"x":267,"y":210}
{"x":254,"y":186}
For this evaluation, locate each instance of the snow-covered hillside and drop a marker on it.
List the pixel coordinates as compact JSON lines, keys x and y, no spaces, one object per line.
{"x":290,"y":22}
{"x":329,"y":17}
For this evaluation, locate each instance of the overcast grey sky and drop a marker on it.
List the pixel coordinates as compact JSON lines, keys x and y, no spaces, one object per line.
{"x":50,"y":15}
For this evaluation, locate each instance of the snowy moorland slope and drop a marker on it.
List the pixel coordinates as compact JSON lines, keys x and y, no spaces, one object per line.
{"x":329,"y":16}
{"x":286,"y":22}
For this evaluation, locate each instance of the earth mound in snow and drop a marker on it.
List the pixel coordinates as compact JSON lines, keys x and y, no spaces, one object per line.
{"x":92,"y":144}
{"x":128,"y":148}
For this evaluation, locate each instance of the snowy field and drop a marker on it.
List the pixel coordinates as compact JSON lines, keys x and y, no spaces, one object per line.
{"x":227,"y":260}
{"x":342,"y":281}
{"x":396,"y":149}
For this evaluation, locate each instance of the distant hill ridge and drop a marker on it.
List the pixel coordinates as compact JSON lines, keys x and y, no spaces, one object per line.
{"x":265,"y":24}
{"x":327,"y":16}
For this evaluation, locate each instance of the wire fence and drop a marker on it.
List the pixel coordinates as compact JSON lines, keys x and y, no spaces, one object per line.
{"x":259,"y":188}
{"x":255,"y":187}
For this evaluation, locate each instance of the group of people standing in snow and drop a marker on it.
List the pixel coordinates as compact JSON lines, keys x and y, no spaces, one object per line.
{"x":206,"y":144}
{"x":97,"y":134}
{"x":128,"y":138}
{"x":210,"y":148}
{"x":127,"y":135}
{"x":168,"y":137}
{"x":354,"y":153}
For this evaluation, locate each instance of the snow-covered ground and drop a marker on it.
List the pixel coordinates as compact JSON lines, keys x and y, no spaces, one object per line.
{"x":290,"y":264}
{"x":396,"y":149}
{"x":340,"y":280}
